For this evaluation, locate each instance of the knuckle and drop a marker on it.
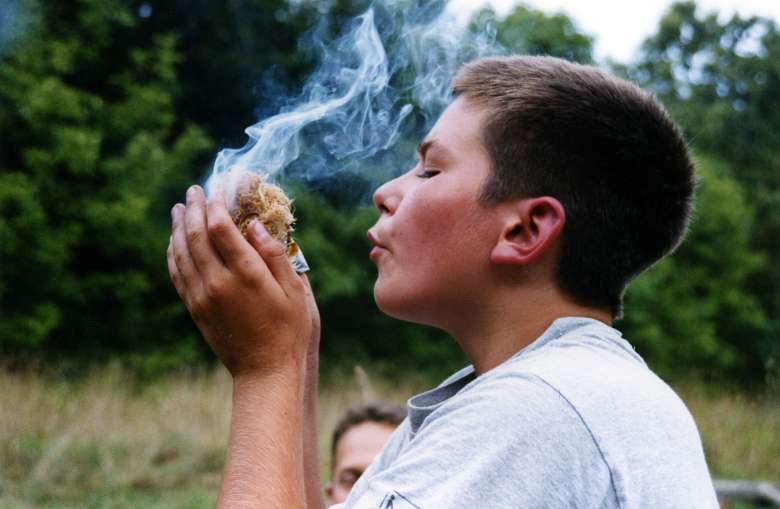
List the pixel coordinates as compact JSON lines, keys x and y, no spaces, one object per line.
{"x":215,"y":287}
{"x":197,"y":307}
{"x":274,"y":248}
{"x":179,"y":259}
{"x":217,"y":227}
{"x":246,"y":268}
{"x":297,"y":284}
{"x":193,"y":235}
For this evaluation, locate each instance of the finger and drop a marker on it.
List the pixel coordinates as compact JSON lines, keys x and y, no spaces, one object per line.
{"x":227,"y":239}
{"x":173,"y":271}
{"x":205,"y":257}
{"x":312,"y":303}
{"x":189,"y":277}
{"x":306,"y":284}
{"x":275,"y":256}
{"x":308,"y":293}
{"x":307,"y":290}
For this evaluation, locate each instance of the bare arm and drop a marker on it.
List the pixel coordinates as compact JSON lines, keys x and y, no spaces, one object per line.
{"x":263,"y":467}
{"x":252,"y":309}
{"x":311,"y":452}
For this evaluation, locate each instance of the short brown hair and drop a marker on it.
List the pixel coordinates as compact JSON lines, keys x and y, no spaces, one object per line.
{"x":382,"y":412}
{"x":603,"y":147}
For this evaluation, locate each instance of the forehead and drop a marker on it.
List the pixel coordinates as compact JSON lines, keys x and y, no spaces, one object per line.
{"x":361,"y":443}
{"x":458,"y":129}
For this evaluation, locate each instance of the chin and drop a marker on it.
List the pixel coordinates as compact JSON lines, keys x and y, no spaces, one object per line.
{"x":385,"y":301}
{"x":402,"y":305}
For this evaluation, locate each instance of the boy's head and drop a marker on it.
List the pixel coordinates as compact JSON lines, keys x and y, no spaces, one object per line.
{"x":537,"y":162}
{"x":358,"y":437}
{"x":604,"y":148}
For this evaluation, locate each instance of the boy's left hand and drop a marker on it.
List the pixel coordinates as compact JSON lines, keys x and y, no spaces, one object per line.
{"x":252,"y":308}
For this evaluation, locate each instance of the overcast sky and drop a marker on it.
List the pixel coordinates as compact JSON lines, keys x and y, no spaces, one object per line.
{"x":619,"y":25}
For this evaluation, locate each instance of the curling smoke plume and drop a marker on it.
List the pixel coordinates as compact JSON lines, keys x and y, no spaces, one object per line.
{"x":376,"y":91}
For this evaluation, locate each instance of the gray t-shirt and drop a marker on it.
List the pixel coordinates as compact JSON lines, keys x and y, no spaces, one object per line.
{"x":576,"y":419}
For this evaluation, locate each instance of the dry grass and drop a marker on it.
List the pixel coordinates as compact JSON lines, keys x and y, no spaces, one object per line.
{"x":741,"y":435}
{"x":108,"y":442}
{"x":61,"y":440}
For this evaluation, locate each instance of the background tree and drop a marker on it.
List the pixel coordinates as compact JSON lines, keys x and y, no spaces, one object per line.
{"x":238,"y":59}
{"x":528,"y":31}
{"x":721,"y":80}
{"x":89,"y":155}
{"x":108,"y":110}
{"x":692,"y":315}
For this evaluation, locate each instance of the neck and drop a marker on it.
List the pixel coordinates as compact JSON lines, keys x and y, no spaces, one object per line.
{"x":512,"y":321}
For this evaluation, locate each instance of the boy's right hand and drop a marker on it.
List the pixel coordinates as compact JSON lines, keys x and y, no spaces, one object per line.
{"x":254,"y":311}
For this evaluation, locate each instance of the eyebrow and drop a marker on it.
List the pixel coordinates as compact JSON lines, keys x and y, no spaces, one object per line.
{"x":425,"y":145}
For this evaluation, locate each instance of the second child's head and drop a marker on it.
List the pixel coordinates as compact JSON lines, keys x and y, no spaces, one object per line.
{"x":358,"y":438}
{"x":539,"y":170}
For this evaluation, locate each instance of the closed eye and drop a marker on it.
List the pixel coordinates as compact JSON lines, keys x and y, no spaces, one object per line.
{"x":427,"y":173}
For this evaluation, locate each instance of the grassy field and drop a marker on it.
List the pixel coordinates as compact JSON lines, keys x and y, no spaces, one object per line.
{"x":107,"y":441}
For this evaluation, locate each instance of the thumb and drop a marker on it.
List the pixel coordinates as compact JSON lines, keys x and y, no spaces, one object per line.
{"x":272,"y":252}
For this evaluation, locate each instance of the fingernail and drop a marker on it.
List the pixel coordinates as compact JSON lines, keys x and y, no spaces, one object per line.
{"x":191,"y":192}
{"x":260,"y":231}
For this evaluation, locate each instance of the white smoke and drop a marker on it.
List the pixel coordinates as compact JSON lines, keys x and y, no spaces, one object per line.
{"x":378,"y":86}
{"x":12,"y":22}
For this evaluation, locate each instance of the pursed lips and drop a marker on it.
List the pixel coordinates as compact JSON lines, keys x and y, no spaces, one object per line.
{"x":378,"y":248}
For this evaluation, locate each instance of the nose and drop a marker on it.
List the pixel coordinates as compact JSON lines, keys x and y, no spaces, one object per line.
{"x":388,"y":196}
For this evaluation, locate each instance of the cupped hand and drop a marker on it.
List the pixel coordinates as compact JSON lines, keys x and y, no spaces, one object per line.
{"x":255,"y":312}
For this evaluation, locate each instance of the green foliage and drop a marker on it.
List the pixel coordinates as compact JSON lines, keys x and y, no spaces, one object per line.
{"x":528,"y":31}
{"x":240,"y":59}
{"x":89,"y":162}
{"x":721,"y":80}
{"x":104,"y":110}
{"x":532,"y":32}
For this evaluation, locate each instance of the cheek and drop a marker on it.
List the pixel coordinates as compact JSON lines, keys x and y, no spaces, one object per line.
{"x":427,"y":225}
{"x":415,"y":287}
{"x":437,"y":252}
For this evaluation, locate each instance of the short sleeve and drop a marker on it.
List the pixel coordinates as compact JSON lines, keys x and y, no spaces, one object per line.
{"x":509,"y":441}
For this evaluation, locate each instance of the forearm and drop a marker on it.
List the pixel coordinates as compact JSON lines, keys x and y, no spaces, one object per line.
{"x":264,"y":465}
{"x":311,"y":456}
{"x":258,"y":316}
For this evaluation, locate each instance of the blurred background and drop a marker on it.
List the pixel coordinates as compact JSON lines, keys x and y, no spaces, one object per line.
{"x":109,"y":109}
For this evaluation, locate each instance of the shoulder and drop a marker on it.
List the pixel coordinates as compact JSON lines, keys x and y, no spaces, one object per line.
{"x":642,"y":429}
{"x":501,"y":441}
{"x":615,"y":395}
{"x":600,"y":374}
{"x":516,"y":420}
{"x":518,"y":396}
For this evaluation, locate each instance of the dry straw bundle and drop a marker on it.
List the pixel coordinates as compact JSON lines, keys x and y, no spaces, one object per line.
{"x":257,"y":199}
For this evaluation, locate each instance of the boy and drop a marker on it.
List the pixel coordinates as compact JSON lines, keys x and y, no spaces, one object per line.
{"x":358,"y":438}
{"x":542,"y":190}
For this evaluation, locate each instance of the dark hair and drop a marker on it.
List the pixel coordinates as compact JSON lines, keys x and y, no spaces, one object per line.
{"x":603,"y":147}
{"x":383,"y":412}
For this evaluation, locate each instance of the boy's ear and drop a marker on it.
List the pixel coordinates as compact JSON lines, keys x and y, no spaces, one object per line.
{"x":532,"y":228}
